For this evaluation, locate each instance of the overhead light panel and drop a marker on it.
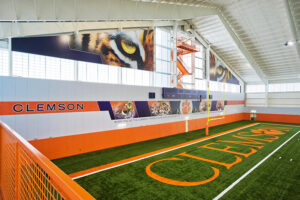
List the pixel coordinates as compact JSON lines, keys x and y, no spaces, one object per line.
{"x":289,"y":43}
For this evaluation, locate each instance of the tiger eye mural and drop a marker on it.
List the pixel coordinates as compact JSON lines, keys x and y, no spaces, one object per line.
{"x":132,"y":49}
{"x":218,"y":72}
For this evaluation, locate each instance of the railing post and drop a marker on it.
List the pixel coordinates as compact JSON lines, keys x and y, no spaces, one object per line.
{"x":17,"y":172}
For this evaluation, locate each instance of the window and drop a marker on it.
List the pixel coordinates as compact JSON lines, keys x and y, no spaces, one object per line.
{"x":67,"y":69}
{"x":81,"y":71}
{"x":4,"y":67}
{"x":235,"y":88}
{"x":147,"y":77}
{"x":163,"y":60}
{"x":199,"y":64}
{"x":200,"y":84}
{"x":284,"y":87}
{"x":103,"y":73}
{"x":162,"y":80}
{"x":187,"y":59}
{"x":36,"y":66}
{"x":20,"y":64}
{"x":255,"y":88}
{"x":52,"y":68}
{"x":213,"y":86}
{"x":138,"y":77}
{"x":87,"y":72}
{"x":128,"y":76}
{"x":113,"y":74}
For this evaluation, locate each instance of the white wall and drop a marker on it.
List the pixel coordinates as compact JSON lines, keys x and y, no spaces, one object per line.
{"x":255,"y":99}
{"x":274,"y":110}
{"x":38,"y":126}
{"x":275,"y":99}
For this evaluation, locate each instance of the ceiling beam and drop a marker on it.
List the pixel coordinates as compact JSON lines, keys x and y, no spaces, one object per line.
{"x":96,"y":10}
{"x":243,"y":49}
{"x":22,"y":29}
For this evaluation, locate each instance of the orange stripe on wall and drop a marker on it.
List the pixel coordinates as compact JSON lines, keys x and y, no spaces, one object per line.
{"x":65,"y":146}
{"x":235,"y":102}
{"x":42,"y":107}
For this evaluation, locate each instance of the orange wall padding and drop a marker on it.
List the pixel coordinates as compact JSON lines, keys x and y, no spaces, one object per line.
{"x":294,"y":119}
{"x":64,"y":146}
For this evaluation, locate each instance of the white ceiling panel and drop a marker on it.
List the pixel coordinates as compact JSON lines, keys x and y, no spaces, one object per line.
{"x":213,"y":30}
{"x":263,"y":27}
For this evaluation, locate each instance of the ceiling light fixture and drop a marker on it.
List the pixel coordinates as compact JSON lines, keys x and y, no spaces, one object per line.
{"x":291,"y":43}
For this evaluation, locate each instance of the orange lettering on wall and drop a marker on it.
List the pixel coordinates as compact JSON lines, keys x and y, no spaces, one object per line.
{"x":227,"y":165}
{"x":226,"y":149}
{"x":179,"y":183}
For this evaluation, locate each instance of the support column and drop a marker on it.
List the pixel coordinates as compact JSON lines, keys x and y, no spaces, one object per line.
{"x":76,"y":71}
{"x":10,"y":60}
{"x":207,"y":66}
{"x":174,"y":40}
{"x":267,"y":94}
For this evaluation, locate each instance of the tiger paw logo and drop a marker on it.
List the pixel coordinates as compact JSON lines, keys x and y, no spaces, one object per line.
{"x":186,"y":107}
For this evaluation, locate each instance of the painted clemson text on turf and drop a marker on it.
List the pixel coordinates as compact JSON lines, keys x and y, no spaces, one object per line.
{"x":250,"y":139}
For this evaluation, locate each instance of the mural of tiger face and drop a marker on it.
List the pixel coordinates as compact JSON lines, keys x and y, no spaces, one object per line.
{"x":132,"y":49}
{"x":220,"y":73}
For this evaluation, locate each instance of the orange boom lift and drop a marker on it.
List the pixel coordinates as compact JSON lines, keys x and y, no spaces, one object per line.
{"x":183,"y":49}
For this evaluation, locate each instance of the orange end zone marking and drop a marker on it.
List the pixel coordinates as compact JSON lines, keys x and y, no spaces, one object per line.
{"x":93,"y":170}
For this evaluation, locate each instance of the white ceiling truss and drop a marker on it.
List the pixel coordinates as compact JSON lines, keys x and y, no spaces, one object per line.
{"x":249,"y":35}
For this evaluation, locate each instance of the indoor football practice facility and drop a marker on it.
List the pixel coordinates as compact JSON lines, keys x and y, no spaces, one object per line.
{"x":149,"y":99}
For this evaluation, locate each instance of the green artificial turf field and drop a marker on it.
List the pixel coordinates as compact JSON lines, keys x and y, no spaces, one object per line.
{"x":88,"y":160}
{"x":191,"y":165}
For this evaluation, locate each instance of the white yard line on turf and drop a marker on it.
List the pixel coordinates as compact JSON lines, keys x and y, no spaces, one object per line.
{"x":252,"y":169}
{"x":158,"y":153}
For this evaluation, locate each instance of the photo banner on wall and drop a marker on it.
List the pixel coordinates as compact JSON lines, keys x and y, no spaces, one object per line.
{"x":116,"y":109}
{"x":131,"y":49}
{"x":219,"y":72}
{"x":124,"y":109}
{"x":138,"y":109}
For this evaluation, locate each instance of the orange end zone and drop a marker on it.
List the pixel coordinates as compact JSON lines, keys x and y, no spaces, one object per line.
{"x":146,"y":155}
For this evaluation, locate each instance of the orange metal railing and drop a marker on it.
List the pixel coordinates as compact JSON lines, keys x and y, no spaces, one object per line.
{"x":25,"y":173}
